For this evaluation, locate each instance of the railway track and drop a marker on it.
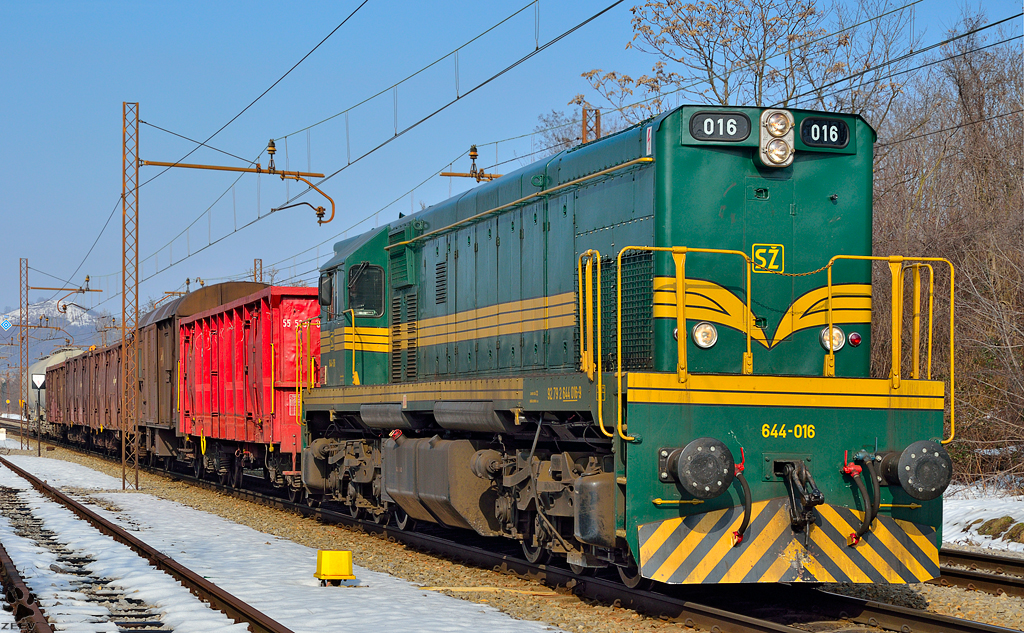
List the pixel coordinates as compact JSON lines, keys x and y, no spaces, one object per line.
{"x":990,"y":573}
{"x":825,"y":611}
{"x":125,"y":613}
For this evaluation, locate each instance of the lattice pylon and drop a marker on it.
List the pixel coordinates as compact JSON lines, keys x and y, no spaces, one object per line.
{"x":257,"y":270}
{"x":23,"y":345}
{"x":130,"y":298}
{"x":591,"y":125}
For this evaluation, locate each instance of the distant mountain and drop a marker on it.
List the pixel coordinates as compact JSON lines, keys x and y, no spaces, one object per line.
{"x":78,"y":327}
{"x":75,"y":316}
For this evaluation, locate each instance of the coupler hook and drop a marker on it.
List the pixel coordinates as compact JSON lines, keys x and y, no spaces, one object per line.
{"x":803,"y":494}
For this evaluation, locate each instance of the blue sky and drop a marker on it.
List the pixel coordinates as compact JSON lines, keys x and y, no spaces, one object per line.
{"x":68,"y":66}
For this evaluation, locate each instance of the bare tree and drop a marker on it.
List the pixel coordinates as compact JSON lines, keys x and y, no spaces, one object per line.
{"x":950,"y":182}
{"x":760,"y":52}
{"x":557,"y":131}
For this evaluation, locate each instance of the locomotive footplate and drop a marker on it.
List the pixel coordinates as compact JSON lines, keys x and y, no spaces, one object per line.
{"x":698,"y":549}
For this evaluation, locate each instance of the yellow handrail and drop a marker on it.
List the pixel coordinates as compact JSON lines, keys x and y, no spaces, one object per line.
{"x":896,"y":270}
{"x":916,"y":319}
{"x":587,"y":360}
{"x":679,"y":258}
{"x":344,"y":334}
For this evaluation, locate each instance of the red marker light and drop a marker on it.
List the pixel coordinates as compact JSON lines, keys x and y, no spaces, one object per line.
{"x":854,"y":339}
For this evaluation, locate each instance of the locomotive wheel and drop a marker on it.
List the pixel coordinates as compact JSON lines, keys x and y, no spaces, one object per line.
{"x":537,"y":555}
{"x":630,"y":576}
{"x":403,"y":521}
{"x":580,"y":570}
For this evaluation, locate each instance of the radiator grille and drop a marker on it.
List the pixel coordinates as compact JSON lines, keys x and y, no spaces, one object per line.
{"x":637,"y":312}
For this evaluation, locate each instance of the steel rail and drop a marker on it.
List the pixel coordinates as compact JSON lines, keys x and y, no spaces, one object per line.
{"x":984,"y":562}
{"x":25,"y":609}
{"x":892,"y":617}
{"x":982,"y":572}
{"x":236,"y":609}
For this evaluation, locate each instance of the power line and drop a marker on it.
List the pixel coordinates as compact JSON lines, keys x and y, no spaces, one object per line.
{"x":951,"y":128}
{"x":400,"y":133}
{"x":483,"y":83}
{"x":199,"y":143}
{"x":204,"y":143}
{"x":903,"y":57}
{"x":932,"y":63}
{"x":262,"y":94}
{"x":401,"y":81}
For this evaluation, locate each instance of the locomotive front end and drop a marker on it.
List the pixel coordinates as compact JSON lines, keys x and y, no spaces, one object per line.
{"x":755,"y":444}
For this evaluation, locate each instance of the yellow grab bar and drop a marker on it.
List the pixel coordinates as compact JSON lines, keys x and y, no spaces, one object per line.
{"x":355,"y":374}
{"x":896,"y":267}
{"x":590,"y":362}
{"x":679,"y":258}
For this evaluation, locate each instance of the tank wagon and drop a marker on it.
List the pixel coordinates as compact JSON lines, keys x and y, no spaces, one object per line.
{"x":587,"y":354}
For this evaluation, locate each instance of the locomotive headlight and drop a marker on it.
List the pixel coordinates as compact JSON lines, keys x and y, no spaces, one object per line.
{"x":777,"y":138}
{"x":777,"y":151}
{"x":777,"y":124}
{"x":836,"y":341}
{"x":705,"y":335}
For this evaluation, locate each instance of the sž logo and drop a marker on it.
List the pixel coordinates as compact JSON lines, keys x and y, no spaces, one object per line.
{"x":768,"y":258}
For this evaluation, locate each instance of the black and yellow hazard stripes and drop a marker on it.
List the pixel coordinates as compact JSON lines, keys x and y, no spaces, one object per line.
{"x":360,"y":339}
{"x":515,"y":317}
{"x":709,"y":301}
{"x":785,"y":391}
{"x":698,"y":549}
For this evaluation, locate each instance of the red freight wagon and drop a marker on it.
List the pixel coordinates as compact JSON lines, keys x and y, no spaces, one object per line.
{"x":243,"y":365}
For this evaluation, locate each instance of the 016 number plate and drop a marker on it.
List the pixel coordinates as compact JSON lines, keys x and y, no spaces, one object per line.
{"x":816,"y":132}
{"x":720,"y":126}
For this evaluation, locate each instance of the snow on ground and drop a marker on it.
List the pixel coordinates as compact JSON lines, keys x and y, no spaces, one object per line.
{"x":55,"y":590}
{"x":967,"y":508}
{"x":273,"y":574}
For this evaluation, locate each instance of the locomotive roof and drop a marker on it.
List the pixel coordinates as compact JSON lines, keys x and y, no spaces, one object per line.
{"x":576,"y":162}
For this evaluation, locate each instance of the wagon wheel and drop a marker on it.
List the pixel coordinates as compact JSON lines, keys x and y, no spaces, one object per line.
{"x":403,"y":521}
{"x":237,"y":481}
{"x":630,"y":576}
{"x":197,"y":464}
{"x":295,"y":495}
{"x":381,"y":518}
{"x":352,"y":511}
{"x":314,"y":501}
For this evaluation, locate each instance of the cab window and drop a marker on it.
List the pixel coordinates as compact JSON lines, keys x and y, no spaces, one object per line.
{"x":366,"y":290}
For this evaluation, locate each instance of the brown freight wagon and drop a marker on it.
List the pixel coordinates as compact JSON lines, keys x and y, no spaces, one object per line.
{"x":84,"y":399}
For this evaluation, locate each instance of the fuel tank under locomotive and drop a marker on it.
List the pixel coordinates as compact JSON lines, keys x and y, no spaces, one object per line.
{"x":470,"y":484}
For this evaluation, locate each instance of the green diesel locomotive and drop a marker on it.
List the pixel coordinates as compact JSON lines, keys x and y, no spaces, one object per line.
{"x":650,"y":352}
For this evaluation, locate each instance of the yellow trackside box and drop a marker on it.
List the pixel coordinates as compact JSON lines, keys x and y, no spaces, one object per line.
{"x":334,"y":565}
